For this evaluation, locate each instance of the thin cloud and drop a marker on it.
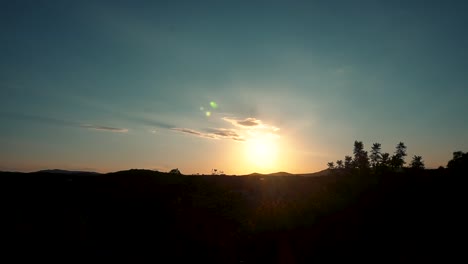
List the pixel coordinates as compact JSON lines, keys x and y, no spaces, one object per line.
{"x":105,"y":128}
{"x":227,"y":133}
{"x":37,"y":119}
{"x":250,"y":123}
{"x":128,"y":116}
{"x":218,"y":133}
{"x":149,"y":122}
{"x":193,"y":132}
{"x":58,"y":122}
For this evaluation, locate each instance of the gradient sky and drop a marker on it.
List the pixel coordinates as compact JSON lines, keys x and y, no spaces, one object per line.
{"x":113,"y":85}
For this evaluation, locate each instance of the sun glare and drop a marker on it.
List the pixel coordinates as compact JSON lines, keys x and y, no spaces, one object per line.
{"x":262,"y":153}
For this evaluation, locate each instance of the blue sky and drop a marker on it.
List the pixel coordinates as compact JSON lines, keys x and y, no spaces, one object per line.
{"x":110,"y":85}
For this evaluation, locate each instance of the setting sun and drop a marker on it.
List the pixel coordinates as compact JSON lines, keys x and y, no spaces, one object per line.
{"x":262,"y":153}
{"x":233,"y":131}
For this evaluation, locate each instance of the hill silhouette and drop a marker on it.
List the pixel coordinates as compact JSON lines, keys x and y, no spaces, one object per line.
{"x":280,"y":173}
{"x":283,"y":173}
{"x":141,"y":215}
{"x":59,"y":171}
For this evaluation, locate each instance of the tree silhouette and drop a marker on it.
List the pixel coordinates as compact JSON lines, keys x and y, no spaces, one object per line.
{"x":459,"y":161}
{"x":458,"y":155}
{"x":375,"y":156}
{"x":361,"y":159}
{"x":385,"y":162}
{"x":339,"y":164}
{"x":348,"y":164}
{"x":401,"y":150}
{"x":398,"y":159}
{"x":331,"y":165}
{"x":417,"y":163}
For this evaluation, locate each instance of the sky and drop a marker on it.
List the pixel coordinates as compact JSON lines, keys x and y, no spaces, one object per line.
{"x":237,"y":86}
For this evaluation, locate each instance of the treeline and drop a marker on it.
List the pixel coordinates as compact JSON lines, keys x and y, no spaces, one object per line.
{"x":377,"y":161}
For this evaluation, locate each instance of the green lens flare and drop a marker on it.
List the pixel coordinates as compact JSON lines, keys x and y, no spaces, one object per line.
{"x":213,"y":104}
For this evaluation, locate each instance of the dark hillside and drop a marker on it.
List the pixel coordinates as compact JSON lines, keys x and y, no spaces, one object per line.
{"x":145,"y":215}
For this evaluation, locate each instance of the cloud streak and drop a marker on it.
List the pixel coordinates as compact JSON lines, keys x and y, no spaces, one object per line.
{"x":193,"y":132}
{"x":215,"y":133}
{"x":59,"y":122}
{"x":250,"y":123}
{"x":105,"y":128}
{"x":149,"y":122}
{"x":244,"y":129}
{"x":37,"y":119}
{"x":227,"y":133}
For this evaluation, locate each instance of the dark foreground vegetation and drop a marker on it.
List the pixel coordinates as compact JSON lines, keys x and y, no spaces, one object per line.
{"x":139,"y":215}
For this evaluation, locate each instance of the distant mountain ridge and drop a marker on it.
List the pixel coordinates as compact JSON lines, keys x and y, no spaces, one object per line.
{"x":275,"y":174}
{"x":283,"y":173}
{"x":58,"y":171}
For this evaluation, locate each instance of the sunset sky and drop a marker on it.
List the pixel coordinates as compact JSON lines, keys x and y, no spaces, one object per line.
{"x":240,"y":86}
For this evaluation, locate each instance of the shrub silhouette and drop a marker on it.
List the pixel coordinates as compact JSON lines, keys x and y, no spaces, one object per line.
{"x":459,"y":162}
{"x":175,"y":171}
{"x":417,"y":163}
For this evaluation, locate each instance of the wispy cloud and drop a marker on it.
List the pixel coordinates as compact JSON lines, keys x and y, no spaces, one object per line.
{"x":116,"y":111}
{"x":105,"y":128}
{"x":250,"y":123}
{"x":227,"y":133}
{"x":212,"y":133}
{"x":193,"y":132}
{"x":149,"y":122}
{"x":37,"y":119}
{"x":244,"y":129}
{"x":59,"y":122}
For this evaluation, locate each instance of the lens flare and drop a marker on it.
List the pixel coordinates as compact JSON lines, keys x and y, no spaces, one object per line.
{"x":208,"y":113}
{"x":213,"y":104}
